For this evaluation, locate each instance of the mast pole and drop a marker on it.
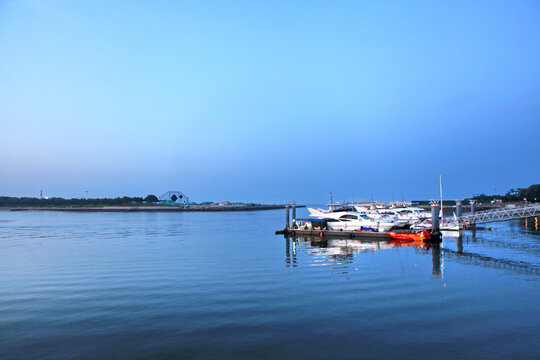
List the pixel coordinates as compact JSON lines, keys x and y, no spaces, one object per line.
{"x":440,"y":185}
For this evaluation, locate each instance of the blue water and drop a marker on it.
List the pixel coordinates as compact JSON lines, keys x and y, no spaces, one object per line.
{"x":224,"y":286}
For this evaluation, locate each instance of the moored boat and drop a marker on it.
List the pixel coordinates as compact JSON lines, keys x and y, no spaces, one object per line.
{"x":349,"y":220}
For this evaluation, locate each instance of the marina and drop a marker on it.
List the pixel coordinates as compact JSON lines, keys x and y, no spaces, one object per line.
{"x":356,"y":222}
{"x":166,"y":166}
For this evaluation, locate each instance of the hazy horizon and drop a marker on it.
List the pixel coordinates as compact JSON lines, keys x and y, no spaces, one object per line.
{"x":268,"y":102}
{"x":322,"y":201}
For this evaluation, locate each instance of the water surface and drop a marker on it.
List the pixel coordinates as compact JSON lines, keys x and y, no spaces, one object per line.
{"x":222,"y":285}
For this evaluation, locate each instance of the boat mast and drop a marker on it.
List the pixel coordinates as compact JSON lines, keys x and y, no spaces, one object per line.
{"x":440,"y":185}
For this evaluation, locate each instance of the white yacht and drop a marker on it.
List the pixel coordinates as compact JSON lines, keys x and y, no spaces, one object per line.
{"x":350,"y":220}
{"x":388,"y":215}
{"x":414,"y":212}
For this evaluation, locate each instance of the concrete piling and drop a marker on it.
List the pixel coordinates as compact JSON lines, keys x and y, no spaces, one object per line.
{"x":459,"y":208}
{"x":287,"y":224}
{"x":293,"y":215}
{"x":473,"y":209}
{"x":434,"y":217}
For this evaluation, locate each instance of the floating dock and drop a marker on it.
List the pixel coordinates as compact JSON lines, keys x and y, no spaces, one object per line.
{"x":364,"y":235}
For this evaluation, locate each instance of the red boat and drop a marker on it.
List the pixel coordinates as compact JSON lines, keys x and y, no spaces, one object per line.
{"x":422,"y":235}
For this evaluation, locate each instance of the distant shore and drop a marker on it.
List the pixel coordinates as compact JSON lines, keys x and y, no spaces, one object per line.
{"x":200,"y":207}
{"x":153,"y":208}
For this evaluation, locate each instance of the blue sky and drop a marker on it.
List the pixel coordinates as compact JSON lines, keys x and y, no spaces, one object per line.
{"x":269,"y":101}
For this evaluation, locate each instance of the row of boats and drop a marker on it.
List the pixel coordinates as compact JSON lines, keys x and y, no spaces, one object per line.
{"x":356,"y":218}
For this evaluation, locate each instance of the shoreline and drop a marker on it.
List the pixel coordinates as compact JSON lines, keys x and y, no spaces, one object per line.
{"x":190,"y":208}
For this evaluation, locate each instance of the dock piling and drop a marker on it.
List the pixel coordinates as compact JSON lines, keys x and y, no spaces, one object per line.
{"x":473,"y":209}
{"x":459,"y":208}
{"x":293,"y":214}
{"x":287,"y":224}
{"x":434,"y":217}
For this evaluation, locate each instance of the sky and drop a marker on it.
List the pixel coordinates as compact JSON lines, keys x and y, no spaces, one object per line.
{"x":269,"y":101}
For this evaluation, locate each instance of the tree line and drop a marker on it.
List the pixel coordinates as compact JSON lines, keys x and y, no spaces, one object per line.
{"x":531,"y":194}
{"x":8,"y":201}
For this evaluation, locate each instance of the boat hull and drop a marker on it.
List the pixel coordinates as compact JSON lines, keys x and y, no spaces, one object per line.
{"x":355,"y":225}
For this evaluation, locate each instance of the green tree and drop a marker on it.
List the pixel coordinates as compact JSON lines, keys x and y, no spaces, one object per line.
{"x":151,"y":198}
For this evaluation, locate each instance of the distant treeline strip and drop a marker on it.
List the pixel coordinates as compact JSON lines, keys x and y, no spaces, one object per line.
{"x":532,"y":194}
{"x":7,"y":201}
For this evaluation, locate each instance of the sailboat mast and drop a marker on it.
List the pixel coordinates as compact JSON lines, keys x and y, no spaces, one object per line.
{"x":440,"y":185}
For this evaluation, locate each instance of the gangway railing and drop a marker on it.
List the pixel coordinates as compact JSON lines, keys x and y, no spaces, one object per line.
{"x":503,"y":214}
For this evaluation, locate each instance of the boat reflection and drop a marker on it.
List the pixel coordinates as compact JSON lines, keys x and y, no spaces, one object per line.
{"x":350,"y":246}
{"x":339,"y":252}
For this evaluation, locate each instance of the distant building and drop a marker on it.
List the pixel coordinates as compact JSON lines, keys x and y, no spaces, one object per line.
{"x":224,"y":203}
{"x":174,"y":197}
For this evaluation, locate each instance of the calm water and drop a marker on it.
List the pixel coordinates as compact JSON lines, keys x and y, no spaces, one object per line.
{"x":223,"y":286}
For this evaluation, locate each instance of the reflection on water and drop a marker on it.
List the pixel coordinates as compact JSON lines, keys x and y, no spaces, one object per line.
{"x":486,"y":250}
{"x":342,"y":251}
{"x":531,"y":223}
{"x":290,"y":255}
{"x":459,"y":243}
{"x":436,"y":258}
{"x":215,"y":286}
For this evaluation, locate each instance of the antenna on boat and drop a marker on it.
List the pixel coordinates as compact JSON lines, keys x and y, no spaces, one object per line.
{"x":331,"y":206}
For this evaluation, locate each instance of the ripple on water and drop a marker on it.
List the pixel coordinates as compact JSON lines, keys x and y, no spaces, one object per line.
{"x":223,"y":286}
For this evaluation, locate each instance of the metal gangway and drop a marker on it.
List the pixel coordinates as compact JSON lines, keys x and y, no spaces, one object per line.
{"x":503,"y":214}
